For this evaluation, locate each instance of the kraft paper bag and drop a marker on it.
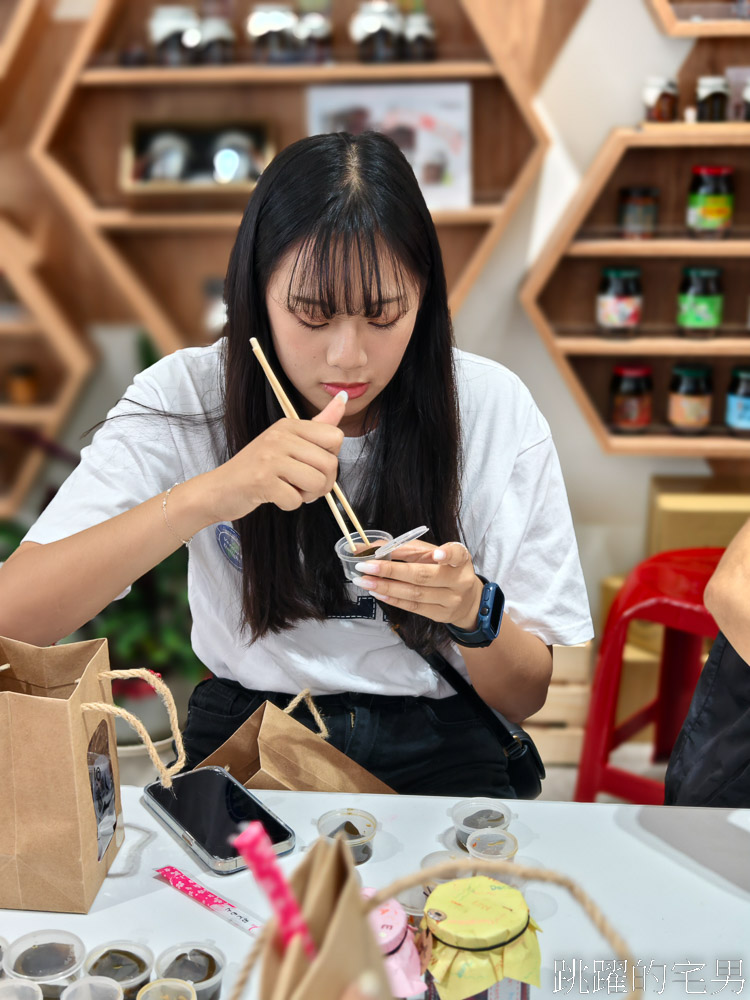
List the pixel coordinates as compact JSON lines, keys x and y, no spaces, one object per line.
{"x":328,"y":891}
{"x":60,"y":818}
{"x":272,"y":750}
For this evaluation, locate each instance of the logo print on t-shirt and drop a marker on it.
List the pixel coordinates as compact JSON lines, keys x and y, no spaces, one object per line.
{"x":229,"y":542}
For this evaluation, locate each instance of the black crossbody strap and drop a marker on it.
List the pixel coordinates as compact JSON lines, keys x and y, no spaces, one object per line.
{"x":496,"y":723}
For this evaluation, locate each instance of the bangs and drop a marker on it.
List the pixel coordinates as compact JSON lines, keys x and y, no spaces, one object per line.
{"x":355,"y":272}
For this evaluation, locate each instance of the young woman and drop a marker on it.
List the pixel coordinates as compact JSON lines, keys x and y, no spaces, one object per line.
{"x":337,"y":271}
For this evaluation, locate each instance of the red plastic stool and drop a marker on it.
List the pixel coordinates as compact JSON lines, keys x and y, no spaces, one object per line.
{"x":668,"y":589}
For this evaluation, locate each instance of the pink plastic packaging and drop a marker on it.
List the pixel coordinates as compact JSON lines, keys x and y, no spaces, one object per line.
{"x":396,"y":940}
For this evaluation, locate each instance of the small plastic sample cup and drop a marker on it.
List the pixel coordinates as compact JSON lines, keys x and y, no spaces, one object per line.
{"x":167,"y":989}
{"x":198,"y":962}
{"x":356,"y":826}
{"x":363,"y":551}
{"x":413,"y":900}
{"x":492,"y":845}
{"x":470,"y":815}
{"x":20,"y":989}
{"x":93,"y":988}
{"x":53,"y":959}
{"x":437,"y":858}
{"x":126,"y":962}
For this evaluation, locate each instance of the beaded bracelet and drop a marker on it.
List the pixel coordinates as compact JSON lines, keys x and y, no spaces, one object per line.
{"x":185,"y":541}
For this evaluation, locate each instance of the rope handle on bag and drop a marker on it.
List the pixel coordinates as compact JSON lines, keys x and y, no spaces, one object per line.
{"x":305,"y":696}
{"x":165,"y":773}
{"x":471,"y":867}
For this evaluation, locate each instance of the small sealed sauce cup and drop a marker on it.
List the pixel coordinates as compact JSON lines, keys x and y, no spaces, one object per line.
{"x":437,"y":858}
{"x":412,"y":900}
{"x":356,"y":826}
{"x":364,"y":551}
{"x":126,"y":962}
{"x":20,"y":989}
{"x":196,"y":962}
{"x":167,"y":989}
{"x":492,"y":845}
{"x":469,"y":815}
{"x":53,"y":959}
{"x":93,"y":988}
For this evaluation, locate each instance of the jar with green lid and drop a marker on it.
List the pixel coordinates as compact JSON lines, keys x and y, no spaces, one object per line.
{"x":479,"y":941}
{"x":700,"y":301}
{"x":619,"y":302}
{"x":710,"y":202}
{"x":737,"y":416}
{"x":690,"y":399}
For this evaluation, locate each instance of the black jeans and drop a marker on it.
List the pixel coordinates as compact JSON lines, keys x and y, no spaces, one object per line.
{"x":418,"y":746}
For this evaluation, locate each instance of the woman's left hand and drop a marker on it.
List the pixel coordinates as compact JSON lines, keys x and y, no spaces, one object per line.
{"x":436,"y":581}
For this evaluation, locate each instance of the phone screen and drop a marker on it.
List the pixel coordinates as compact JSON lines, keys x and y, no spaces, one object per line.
{"x":212,"y":807}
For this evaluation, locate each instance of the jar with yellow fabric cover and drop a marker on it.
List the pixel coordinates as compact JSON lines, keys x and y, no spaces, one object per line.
{"x":478,"y":942}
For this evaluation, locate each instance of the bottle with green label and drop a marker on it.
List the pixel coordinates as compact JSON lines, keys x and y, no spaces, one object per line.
{"x":700,"y":302}
{"x":710,"y":209}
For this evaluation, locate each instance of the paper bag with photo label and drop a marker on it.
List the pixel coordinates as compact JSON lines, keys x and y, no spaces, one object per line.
{"x":273,"y":750}
{"x":328,"y":891}
{"x":60,"y":819}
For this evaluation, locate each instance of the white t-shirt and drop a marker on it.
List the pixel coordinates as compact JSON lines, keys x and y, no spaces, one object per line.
{"x":514,"y":515}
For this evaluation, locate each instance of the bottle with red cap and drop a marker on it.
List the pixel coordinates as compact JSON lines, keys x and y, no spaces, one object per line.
{"x":711,"y":202}
{"x":631,"y":393}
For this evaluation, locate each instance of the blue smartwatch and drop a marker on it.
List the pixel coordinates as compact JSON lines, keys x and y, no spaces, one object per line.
{"x":488,"y":619}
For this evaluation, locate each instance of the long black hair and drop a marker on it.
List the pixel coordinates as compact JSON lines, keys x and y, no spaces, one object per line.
{"x":351,"y":208}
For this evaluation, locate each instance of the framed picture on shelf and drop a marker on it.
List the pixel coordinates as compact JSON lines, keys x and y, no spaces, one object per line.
{"x":430,"y":123}
{"x":180,"y":158}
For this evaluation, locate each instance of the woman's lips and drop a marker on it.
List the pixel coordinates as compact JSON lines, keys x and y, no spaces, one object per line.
{"x":354,"y":389}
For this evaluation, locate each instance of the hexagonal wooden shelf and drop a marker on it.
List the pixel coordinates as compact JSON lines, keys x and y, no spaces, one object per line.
{"x":560,"y":291}
{"x":702,"y":19}
{"x":162,"y":254}
{"x":20,"y":24}
{"x":534,"y":32}
{"x":36,"y":333}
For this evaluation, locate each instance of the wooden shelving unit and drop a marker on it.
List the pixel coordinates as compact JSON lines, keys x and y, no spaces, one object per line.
{"x":560,"y":291}
{"x":45,"y":338}
{"x":21,"y":22}
{"x":701,"y":19}
{"x":161,"y":255}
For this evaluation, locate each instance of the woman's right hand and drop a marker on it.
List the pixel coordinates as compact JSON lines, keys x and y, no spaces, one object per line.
{"x":291,"y":463}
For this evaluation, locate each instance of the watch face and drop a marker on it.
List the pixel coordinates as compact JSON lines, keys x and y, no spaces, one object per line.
{"x":496,"y":611}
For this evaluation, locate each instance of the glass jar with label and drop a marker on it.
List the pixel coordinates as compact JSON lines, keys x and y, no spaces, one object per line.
{"x":377,"y":29}
{"x":272,"y":30}
{"x":737,"y":416}
{"x":419,"y":36}
{"x":619,"y":303}
{"x":690,"y":399}
{"x":638,"y":212}
{"x":711,"y":202}
{"x":700,"y":302}
{"x":174,"y":33}
{"x":660,"y":99}
{"x":631,"y":394}
{"x":712,"y":94}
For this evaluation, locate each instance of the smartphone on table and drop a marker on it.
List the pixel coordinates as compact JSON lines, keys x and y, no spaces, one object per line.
{"x":207,"y":808}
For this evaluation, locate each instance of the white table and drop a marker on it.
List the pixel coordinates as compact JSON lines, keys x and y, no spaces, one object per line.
{"x":675,"y":883}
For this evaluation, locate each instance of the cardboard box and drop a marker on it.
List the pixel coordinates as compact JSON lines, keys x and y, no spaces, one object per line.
{"x":572,"y":664}
{"x":695,"y":512}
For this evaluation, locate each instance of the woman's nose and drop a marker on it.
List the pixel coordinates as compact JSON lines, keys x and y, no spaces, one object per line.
{"x":345,"y":348}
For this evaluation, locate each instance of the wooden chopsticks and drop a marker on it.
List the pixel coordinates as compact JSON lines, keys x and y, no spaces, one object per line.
{"x":289,"y":411}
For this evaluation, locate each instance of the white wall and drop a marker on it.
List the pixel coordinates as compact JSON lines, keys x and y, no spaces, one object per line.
{"x":594,"y":86}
